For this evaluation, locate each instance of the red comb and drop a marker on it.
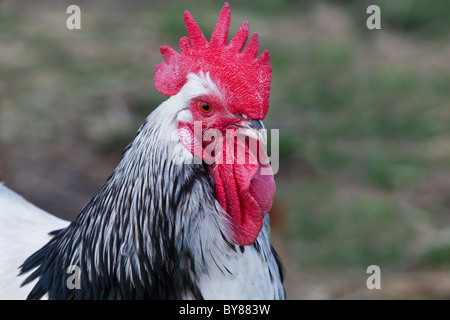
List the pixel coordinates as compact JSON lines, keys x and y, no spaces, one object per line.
{"x":245,"y":78}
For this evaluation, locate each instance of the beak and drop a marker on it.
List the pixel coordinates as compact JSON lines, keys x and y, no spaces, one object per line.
{"x":255,"y":129}
{"x":257,"y":124}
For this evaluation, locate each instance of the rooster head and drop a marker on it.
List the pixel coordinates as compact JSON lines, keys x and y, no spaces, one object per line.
{"x":222,"y":95}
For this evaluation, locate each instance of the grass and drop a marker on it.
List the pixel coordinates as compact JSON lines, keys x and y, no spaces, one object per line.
{"x":337,"y":227}
{"x":363,"y":126}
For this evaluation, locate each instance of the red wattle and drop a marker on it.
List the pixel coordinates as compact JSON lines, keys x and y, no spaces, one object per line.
{"x":244,"y":193}
{"x":244,"y":189}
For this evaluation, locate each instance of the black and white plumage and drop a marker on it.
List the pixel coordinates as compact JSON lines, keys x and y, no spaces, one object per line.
{"x":154,"y":230}
{"x":157,"y":228}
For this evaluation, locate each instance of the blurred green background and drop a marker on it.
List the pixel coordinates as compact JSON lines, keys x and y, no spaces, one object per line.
{"x":364,"y":120}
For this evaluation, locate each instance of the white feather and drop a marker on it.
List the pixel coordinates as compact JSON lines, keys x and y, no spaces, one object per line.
{"x":23,"y":230}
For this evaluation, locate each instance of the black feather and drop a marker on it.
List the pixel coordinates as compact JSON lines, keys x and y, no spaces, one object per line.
{"x":133,"y":239}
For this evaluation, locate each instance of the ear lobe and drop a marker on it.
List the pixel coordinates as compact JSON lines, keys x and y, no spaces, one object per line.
{"x":192,"y":142}
{"x":185,"y":116}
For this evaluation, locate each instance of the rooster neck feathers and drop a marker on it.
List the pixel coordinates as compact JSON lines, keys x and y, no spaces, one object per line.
{"x":150,"y":231}
{"x":128,"y":231}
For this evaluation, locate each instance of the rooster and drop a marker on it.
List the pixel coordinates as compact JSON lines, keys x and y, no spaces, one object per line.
{"x":182,"y":216}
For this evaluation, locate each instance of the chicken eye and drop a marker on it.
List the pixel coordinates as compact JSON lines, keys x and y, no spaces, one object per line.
{"x":205,"y":107}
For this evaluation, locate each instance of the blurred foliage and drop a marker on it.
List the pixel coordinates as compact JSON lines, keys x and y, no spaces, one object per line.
{"x":364,"y":116}
{"x":341,"y":228}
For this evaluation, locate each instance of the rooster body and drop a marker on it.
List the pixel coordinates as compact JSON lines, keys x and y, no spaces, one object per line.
{"x":163,"y":226}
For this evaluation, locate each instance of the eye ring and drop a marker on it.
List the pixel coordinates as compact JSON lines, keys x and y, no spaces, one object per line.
{"x":205,"y":107}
